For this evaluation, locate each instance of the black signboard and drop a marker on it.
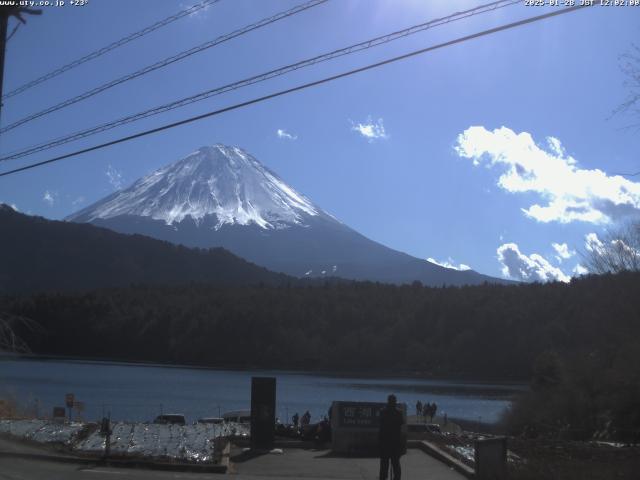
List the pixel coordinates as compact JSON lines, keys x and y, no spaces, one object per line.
{"x":263,"y":412}
{"x":359,"y":414}
{"x":59,"y":412}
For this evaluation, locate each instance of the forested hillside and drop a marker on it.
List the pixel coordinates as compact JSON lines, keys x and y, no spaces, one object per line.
{"x":37,"y":254}
{"x":487,"y":331}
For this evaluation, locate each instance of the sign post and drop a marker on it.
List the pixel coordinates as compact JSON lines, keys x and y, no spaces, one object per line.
{"x":59,"y":414}
{"x":263,"y":412}
{"x":69,"y":399}
{"x":79,"y":406}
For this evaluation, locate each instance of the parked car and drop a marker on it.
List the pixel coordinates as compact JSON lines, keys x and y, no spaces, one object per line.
{"x":170,"y":418}
{"x":213,"y":420}
{"x":237,"y":416}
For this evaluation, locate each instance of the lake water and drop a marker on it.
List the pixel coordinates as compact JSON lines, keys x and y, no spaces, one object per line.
{"x":140,"y":392}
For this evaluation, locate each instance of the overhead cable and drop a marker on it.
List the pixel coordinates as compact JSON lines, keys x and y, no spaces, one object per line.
{"x":112,"y":46}
{"x":165,"y":62}
{"x":374,"y":42}
{"x":280,"y":93}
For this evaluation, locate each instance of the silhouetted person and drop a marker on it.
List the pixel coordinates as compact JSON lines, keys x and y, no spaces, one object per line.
{"x":434,"y":409}
{"x":295,"y":419}
{"x":306,"y":419}
{"x":418,"y":408}
{"x":390,"y":439}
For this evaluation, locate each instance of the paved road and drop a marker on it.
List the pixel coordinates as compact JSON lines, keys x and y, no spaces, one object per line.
{"x":20,"y":469}
{"x":292,"y":464}
{"x":322,"y":465}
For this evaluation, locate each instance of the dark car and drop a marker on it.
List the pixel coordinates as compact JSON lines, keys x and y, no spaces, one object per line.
{"x":170,"y":418}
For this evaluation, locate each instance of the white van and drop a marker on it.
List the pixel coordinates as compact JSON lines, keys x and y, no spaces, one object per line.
{"x":238,"y":416}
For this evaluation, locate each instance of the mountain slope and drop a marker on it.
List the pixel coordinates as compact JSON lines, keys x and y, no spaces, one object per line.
{"x":222,"y":196}
{"x":38,"y":254}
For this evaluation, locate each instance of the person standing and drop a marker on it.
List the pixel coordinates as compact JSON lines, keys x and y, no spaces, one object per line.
{"x":418,"y":408}
{"x":306,"y":419}
{"x":390,"y":438}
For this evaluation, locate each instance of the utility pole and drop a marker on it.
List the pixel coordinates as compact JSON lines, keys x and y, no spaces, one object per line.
{"x":4,"y":22}
{"x":5,"y":13}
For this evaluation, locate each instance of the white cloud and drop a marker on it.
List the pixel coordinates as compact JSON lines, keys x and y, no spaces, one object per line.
{"x":616,"y":246}
{"x":530,"y":268}
{"x":592,"y":243}
{"x":50,"y":197}
{"x":115,"y":177}
{"x":563,"y":252}
{"x":579,"y":270}
{"x":569,"y":193}
{"x":286,"y":135}
{"x":370,"y":130}
{"x":449,"y":263}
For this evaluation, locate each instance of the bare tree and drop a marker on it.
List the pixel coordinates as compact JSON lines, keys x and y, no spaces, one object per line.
{"x":630,"y":66}
{"x":9,"y":340}
{"x":617,"y":251}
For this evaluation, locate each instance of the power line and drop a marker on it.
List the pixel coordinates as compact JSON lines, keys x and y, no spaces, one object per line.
{"x":301,"y":87}
{"x":167,"y":61}
{"x":261,"y":77}
{"x":112,"y":46}
{"x":13,"y":32}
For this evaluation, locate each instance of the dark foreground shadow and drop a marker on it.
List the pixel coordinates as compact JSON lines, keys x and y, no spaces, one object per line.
{"x":330,"y":454}
{"x":248,"y":455}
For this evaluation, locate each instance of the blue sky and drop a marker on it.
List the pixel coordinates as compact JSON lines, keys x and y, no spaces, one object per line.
{"x":484,"y":154}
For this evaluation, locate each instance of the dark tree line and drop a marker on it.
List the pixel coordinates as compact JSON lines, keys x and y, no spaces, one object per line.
{"x":489,"y":331}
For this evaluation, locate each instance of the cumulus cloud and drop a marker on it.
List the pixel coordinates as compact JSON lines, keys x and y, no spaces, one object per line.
{"x":579,"y":270}
{"x":592,"y":243}
{"x":49,"y":197}
{"x":370,"y":130}
{"x":449,"y":263}
{"x":568,"y":193}
{"x":562,"y":251}
{"x":615,"y":249}
{"x":285,"y":135}
{"x":114,"y":177}
{"x":529,"y":268}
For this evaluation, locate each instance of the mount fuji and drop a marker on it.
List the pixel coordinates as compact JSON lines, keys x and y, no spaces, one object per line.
{"x":221,"y":196}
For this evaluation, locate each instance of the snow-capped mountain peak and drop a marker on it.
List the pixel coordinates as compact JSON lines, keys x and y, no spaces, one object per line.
{"x":218,"y":180}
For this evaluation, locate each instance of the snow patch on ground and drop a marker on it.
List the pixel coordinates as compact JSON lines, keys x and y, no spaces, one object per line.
{"x":186,"y":443}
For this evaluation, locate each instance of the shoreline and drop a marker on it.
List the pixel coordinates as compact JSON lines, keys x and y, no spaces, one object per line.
{"x":409,"y":375}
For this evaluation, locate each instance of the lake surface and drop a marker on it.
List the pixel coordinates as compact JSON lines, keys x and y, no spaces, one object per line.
{"x":140,"y":392}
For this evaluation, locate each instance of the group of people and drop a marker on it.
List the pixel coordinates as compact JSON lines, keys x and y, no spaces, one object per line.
{"x":304,"y":421}
{"x":426,"y":410}
{"x":303,"y":428}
